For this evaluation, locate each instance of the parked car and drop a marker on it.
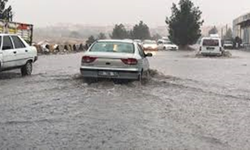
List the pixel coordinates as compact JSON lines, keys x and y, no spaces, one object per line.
{"x":115,"y":59}
{"x":211,"y":46}
{"x":15,"y":53}
{"x":228,"y":44}
{"x":149,"y":45}
{"x":167,"y":45}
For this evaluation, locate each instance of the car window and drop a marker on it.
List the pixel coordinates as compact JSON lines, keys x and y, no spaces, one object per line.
{"x":160,"y":42}
{"x":115,"y":47}
{"x":7,"y":43}
{"x":210,"y":42}
{"x":17,"y":42}
{"x":168,"y":42}
{"x":228,"y":42}
{"x":141,"y":52}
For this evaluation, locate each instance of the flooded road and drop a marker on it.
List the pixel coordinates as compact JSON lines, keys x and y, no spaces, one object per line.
{"x":189,"y":103}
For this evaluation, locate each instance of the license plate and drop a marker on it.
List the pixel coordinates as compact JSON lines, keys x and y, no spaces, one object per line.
{"x":210,"y":48}
{"x":107,"y":73}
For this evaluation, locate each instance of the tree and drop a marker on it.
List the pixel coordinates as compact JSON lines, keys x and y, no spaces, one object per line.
{"x":184,"y":24}
{"x":156,"y":37}
{"x":229,"y":34}
{"x":102,"y":36}
{"x":90,"y":41}
{"x":120,"y":32}
{"x":214,"y":30}
{"x":5,"y":13}
{"x":141,"y":31}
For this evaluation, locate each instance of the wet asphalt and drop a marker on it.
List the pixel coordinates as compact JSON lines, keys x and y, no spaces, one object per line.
{"x":189,"y":103}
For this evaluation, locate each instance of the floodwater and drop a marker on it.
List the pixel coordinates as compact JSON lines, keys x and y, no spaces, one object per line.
{"x":189,"y":103}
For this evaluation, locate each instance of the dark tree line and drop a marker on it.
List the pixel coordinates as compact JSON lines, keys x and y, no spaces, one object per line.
{"x":139,"y":31}
{"x":214,"y":30}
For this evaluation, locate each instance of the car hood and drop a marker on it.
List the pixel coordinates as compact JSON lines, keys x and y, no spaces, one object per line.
{"x":150,"y":45}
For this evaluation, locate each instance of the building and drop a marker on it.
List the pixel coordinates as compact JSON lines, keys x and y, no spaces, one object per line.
{"x":241,"y":28}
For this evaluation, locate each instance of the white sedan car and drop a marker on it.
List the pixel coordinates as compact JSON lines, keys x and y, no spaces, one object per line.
{"x":149,"y":45}
{"x":115,"y":59}
{"x":167,"y":45}
{"x":15,"y":53}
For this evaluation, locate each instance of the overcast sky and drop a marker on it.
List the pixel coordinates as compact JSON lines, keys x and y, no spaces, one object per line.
{"x":109,"y":12}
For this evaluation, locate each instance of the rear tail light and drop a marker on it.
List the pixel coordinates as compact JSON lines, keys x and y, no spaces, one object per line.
{"x":130,"y":61}
{"x":88,"y":59}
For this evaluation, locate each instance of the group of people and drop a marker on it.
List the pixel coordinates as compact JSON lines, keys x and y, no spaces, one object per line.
{"x":56,"y":48}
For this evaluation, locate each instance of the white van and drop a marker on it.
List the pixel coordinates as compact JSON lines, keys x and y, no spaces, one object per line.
{"x":211,"y":46}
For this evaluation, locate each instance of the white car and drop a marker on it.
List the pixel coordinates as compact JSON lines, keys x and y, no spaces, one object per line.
{"x":167,"y":45}
{"x":15,"y":53}
{"x":149,"y":45}
{"x":228,"y":44}
{"x":115,"y":59}
{"x":211,"y":46}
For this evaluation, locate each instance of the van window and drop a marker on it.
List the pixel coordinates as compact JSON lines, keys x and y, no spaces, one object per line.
{"x":210,"y":42}
{"x":17,"y":42}
{"x":7,"y":43}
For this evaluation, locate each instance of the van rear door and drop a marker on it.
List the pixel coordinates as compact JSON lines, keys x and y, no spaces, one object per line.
{"x":211,"y":45}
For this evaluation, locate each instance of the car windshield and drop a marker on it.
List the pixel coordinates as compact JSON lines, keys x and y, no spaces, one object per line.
{"x":113,"y":47}
{"x":168,"y":42}
{"x":210,"y":42}
{"x":149,"y":42}
{"x":228,"y":42}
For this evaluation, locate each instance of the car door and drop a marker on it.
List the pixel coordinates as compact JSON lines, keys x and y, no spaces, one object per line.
{"x":9,"y":53}
{"x":1,"y":54}
{"x":22,"y":54}
{"x":145,"y":62}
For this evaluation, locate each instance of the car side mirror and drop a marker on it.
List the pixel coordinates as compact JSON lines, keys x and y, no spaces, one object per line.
{"x":149,"y":55}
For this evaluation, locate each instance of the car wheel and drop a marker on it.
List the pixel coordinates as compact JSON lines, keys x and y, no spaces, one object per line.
{"x":90,"y":80}
{"x":26,"y":70}
{"x":164,"y":48}
{"x":144,"y":77}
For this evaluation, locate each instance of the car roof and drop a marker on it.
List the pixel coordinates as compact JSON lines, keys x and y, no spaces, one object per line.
{"x":2,"y":34}
{"x":211,"y":38}
{"x":121,"y":41}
